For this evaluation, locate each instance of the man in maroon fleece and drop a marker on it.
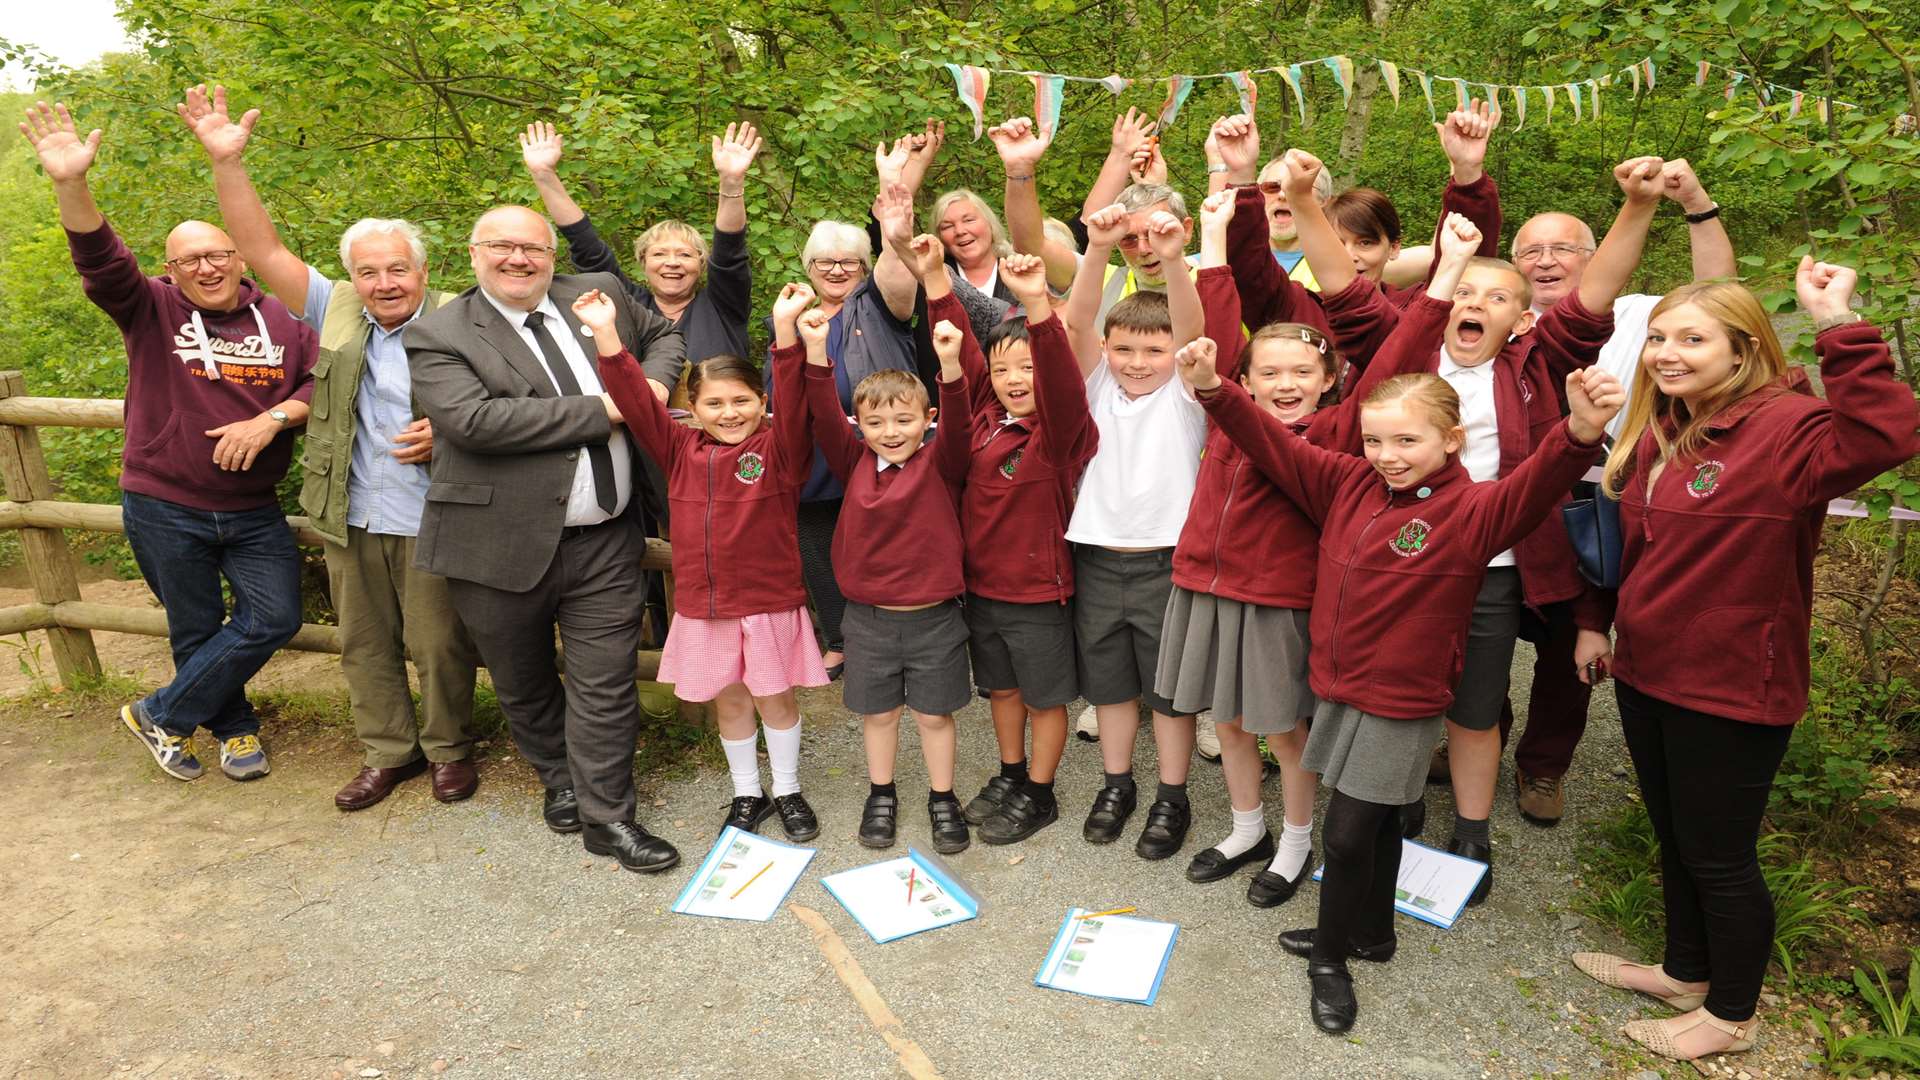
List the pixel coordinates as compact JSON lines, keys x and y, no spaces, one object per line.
{"x":218,"y":376}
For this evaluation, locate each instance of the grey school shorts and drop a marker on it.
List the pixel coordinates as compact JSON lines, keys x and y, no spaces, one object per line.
{"x":1119,"y":603}
{"x":1024,"y":647}
{"x":912,"y":658}
{"x":1487,"y":667}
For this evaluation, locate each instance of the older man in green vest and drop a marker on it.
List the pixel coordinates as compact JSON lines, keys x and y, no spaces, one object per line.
{"x":367,"y":449}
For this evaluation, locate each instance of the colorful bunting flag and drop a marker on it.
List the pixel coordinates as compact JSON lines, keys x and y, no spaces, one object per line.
{"x":1291,"y":76}
{"x":1116,"y":85}
{"x":1547,"y":92}
{"x":1519,"y":106}
{"x":1426,"y":89}
{"x":1820,"y":108}
{"x":1593,"y":89}
{"x":1573,"y":95}
{"x":1700,"y":77}
{"x":1793,"y":110}
{"x":1648,"y":65}
{"x":1249,"y":92}
{"x":1342,"y":68}
{"x":1635,"y":72}
{"x":1461,"y":99}
{"x":972,"y":84}
{"x":1178,"y":87}
{"x":1049,"y":92}
{"x":1390,"y":71}
{"x":1733,"y":84}
{"x":1493,"y":97}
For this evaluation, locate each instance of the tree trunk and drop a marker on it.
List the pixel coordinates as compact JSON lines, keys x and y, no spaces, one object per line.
{"x":1353,"y":133}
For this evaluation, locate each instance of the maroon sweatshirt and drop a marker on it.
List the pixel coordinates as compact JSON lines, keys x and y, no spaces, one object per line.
{"x":1397,"y":572}
{"x":1716,"y":591}
{"x":1022,"y":473}
{"x":898,"y":541}
{"x":190,"y":370}
{"x":1244,"y":538}
{"x":735,"y":551}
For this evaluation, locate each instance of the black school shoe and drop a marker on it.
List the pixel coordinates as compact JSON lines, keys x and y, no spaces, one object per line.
{"x":1300,"y":943}
{"x":1413,"y":819}
{"x":747,"y":812}
{"x":991,"y":798}
{"x":561,"y":810}
{"x":1268,"y":889}
{"x":1333,"y":1005}
{"x":796,"y":817}
{"x":950,"y":835}
{"x":1018,"y":818}
{"x":1211,"y":865}
{"x":1166,"y":830}
{"x":1471,"y":849}
{"x":878,"y":820}
{"x":1112,"y":806}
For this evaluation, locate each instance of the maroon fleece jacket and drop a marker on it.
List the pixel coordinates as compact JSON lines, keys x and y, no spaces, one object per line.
{"x":1716,"y":592}
{"x":190,"y":370}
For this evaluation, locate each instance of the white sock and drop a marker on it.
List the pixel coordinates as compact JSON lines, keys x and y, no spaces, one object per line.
{"x":783,"y":757}
{"x":744,"y":764}
{"x":1248,"y":826}
{"x":1296,"y":843}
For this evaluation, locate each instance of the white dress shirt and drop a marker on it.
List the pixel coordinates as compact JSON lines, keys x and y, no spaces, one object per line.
{"x":1481,"y":452}
{"x":583,"y":502}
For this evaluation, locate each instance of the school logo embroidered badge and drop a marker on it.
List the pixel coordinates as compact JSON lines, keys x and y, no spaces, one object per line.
{"x":1411,"y":540}
{"x":1706,"y":479}
{"x":752,"y":468}
{"x":1013,"y":462}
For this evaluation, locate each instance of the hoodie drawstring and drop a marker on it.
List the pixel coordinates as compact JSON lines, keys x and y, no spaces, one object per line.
{"x":207,"y":360}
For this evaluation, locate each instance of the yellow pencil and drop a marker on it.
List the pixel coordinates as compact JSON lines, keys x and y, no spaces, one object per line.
{"x":1114,"y":911}
{"x":751,"y":880}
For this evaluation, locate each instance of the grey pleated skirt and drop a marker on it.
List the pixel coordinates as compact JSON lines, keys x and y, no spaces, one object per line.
{"x":1370,"y":757}
{"x":1238,"y":659}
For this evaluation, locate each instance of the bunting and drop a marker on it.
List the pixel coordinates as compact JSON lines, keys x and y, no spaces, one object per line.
{"x":1647,"y":64}
{"x":1291,"y":76}
{"x":972,"y":83}
{"x":1249,"y":92}
{"x":1635,"y":72}
{"x":1733,"y":85}
{"x":1593,"y":91}
{"x":1178,"y":87}
{"x":1547,"y":92}
{"x":1493,"y":97}
{"x":1461,"y":99}
{"x":1700,"y":77}
{"x":1049,"y":94}
{"x":1520,"y":107}
{"x":1390,"y":72}
{"x":1342,"y":68}
{"x":1426,"y":88}
{"x":1573,"y":95}
{"x":1793,"y":110}
{"x":1115,"y":84}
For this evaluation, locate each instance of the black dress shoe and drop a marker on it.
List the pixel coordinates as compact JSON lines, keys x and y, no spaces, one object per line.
{"x":1018,"y":818}
{"x":1472,"y":849}
{"x":796,"y":817}
{"x":1211,"y":865}
{"x":1300,"y":943}
{"x":747,"y":812}
{"x":561,"y":809}
{"x":1413,"y":819}
{"x":1112,"y":806}
{"x":950,"y":835}
{"x":1334,"y":1008}
{"x":635,"y":848}
{"x":1269,"y":889}
{"x":1166,"y":829}
{"x":877,"y":821}
{"x":990,"y":799}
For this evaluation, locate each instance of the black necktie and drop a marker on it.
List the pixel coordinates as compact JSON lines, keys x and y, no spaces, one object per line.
{"x":597,"y":453}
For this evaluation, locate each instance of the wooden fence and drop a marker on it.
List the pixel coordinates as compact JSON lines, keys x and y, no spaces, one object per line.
{"x":43,"y":521}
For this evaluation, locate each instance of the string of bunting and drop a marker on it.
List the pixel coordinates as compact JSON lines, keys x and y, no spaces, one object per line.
{"x":1582,"y":96}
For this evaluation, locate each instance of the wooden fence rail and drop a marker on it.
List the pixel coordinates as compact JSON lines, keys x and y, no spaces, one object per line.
{"x":42,"y":521}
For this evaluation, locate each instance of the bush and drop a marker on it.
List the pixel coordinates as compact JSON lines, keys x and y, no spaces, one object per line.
{"x":1828,"y":785}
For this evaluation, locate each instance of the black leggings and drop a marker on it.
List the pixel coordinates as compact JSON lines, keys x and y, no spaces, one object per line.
{"x":1705,"y":781}
{"x":1362,"y":840}
{"x":817,"y":522}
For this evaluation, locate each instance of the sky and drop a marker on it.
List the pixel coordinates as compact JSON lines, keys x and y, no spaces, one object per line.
{"x":72,"y":31}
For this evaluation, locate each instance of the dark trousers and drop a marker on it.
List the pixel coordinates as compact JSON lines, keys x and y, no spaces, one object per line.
{"x":1557,"y":703}
{"x":1705,"y":781}
{"x":579,"y":734}
{"x":817,"y":522}
{"x":183,"y":553}
{"x":1362,"y":841}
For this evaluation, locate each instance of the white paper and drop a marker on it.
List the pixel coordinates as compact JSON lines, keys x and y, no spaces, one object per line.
{"x":877,"y":897}
{"x":745,"y":876}
{"x":1109,"y":956}
{"x":1433,"y":885}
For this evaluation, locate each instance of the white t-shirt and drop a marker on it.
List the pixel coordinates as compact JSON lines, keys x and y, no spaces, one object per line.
{"x":1137,"y":487}
{"x":1481,"y":453}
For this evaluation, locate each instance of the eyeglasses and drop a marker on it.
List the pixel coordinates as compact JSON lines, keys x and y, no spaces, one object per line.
{"x":186,"y":264}
{"x":505,"y":249}
{"x":845,"y":266}
{"x":1560,"y":252}
{"x":1132,"y":242}
{"x":1270,"y":187}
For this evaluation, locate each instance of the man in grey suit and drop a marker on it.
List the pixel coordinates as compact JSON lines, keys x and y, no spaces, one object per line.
{"x":532,"y":517}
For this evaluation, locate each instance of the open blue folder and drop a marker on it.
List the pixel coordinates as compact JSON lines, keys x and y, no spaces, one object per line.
{"x":904,"y":896}
{"x":1117,"y":957}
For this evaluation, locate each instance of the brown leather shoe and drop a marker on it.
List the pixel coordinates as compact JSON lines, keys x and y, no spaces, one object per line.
{"x":373,"y":784}
{"x":1542,"y":799}
{"x":454,"y":780}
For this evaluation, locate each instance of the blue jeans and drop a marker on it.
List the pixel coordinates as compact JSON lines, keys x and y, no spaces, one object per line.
{"x":183,"y":552}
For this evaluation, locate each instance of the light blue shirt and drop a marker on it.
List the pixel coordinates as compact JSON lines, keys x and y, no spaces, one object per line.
{"x":384,"y":496}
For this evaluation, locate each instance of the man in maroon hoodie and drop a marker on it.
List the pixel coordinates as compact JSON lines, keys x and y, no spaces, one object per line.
{"x":218,"y":376}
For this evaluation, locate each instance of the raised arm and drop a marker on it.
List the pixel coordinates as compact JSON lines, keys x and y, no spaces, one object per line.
{"x":1021,"y":145}
{"x":1232,"y":150}
{"x":1131,"y":132}
{"x":65,"y":157}
{"x":280,"y":270}
{"x":1267,"y":294}
{"x":1066,"y":435}
{"x":953,"y":441}
{"x":1470,"y":192}
{"x":836,"y":438}
{"x":1105,"y":227}
{"x":1326,"y":256}
{"x":1509,"y":508}
{"x":633,"y":396}
{"x":1712,"y":248}
{"x":893,"y":209}
{"x":1618,"y":257}
{"x":540,"y":147}
{"x":1167,"y":236}
{"x":1305,"y":473}
{"x":733,"y":155}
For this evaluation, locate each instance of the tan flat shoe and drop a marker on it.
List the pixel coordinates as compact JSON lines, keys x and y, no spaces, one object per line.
{"x":1657,"y":1037}
{"x":1605,"y":970}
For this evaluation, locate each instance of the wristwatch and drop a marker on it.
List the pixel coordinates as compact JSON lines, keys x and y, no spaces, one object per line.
{"x":280,"y":415}
{"x":1217,"y":167}
{"x":1703,"y":216}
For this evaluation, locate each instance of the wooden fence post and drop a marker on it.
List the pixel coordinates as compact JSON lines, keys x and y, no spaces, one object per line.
{"x":49,"y":561}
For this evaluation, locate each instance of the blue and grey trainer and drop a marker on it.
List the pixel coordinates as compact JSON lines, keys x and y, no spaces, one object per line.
{"x":173,"y":753}
{"x":243,"y":758}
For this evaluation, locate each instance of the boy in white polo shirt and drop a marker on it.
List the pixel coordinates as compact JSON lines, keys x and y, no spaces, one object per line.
{"x":1127,"y":518}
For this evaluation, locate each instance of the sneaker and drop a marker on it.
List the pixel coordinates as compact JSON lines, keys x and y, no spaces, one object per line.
{"x":1439,"y":769}
{"x":1088,"y":727}
{"x":173,"y":753}
{"x":1542,"y":799}
{"x":1206,"y":737}
{"x":243,"y":758}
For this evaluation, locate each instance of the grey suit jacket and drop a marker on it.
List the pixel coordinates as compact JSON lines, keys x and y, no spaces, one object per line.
{"x":505,"y":443}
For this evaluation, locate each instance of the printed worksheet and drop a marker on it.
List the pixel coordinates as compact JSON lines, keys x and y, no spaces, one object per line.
{"x":904,"y":896}
{"x":1433,"y":885}
{"x":1109,"y":956}
{"x":745,"y":876}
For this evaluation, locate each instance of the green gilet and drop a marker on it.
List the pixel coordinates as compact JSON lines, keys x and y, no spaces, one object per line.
{"x":344,"y":330}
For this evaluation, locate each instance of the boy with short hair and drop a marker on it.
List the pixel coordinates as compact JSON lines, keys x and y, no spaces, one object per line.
{"x":1131,"y":507}
{"x":905,"y":635}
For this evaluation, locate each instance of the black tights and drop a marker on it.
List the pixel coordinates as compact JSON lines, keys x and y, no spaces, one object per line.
{"x":1705,"y":780}
{"x":1362,"y":841}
